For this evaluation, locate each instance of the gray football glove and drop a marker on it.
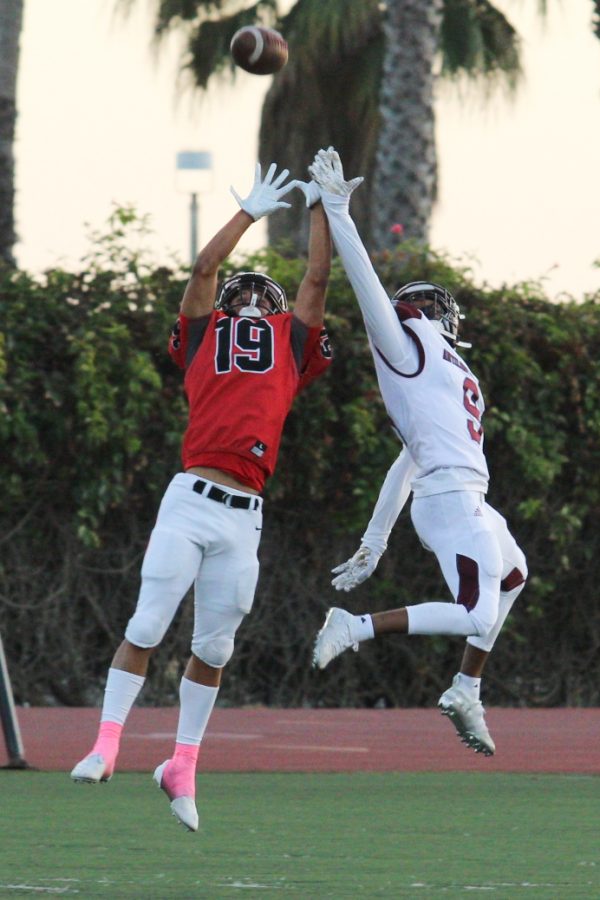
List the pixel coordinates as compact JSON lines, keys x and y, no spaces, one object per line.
{"x":356,"y":569}
{"x":328,"y":172}
{"x":265,"y":196}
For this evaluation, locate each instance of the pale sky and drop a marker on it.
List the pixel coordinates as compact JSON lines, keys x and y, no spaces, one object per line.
{"x":100,"y":123}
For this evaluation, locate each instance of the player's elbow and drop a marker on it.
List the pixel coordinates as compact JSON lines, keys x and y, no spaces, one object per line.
{"x":317,"y":278}
{"x":206,"y":264}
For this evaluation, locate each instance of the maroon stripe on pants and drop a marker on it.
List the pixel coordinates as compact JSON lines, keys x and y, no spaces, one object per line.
{"x":512,"y":580}
{"x":468,"y":581}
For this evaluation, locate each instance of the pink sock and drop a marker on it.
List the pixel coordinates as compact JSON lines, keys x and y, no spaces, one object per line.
{"x":107,"y":743}
{"x":179,"y":777}
{"x":187,"y":754}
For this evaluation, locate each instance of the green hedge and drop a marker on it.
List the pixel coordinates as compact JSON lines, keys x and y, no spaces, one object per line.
{"x":92,"y":416}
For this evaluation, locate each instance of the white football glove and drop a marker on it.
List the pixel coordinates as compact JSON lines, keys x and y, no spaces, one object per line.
{"x":356,"y":569}
{"x":328,"y":172}
{"x":311,"y":191}
{"x":265,"y":196}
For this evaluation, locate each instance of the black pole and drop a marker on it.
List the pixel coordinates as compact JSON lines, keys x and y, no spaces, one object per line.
{"x":8,"y":717}
{"x":193,"y":228}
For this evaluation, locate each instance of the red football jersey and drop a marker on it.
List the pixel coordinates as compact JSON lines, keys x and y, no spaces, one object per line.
{"x":241,"y":376}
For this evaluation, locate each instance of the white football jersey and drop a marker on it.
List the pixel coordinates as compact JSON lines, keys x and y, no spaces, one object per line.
{"x":436,"y":404}
{"x":430,"y":394}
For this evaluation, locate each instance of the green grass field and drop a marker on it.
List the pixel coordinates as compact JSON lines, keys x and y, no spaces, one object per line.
{"x":313,"y":835}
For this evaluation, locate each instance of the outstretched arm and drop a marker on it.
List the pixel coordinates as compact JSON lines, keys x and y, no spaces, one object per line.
{"x":199,"y":296}
{"x":381,"y":321}
{"x":264,"y":198}
{"x":394,"y":493}
{"x":310,"y":301}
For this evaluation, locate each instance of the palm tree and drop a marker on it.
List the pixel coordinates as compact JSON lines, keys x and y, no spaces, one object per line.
{"x":11,"y":19}
{"x":405,"y":172}
{"x":327,"y":94}
{"x":474,"y":38}
{"x":361,"y":76}
{"x":375,"y":83}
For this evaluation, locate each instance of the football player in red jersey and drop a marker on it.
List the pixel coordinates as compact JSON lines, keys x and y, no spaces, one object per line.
{"x":245,"y":357}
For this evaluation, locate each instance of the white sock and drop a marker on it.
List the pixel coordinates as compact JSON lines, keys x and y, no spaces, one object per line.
{"x":469,"y":684}
{"x":196,"y":705}
{"x":362,"y":627}
{"x":120,"y":694}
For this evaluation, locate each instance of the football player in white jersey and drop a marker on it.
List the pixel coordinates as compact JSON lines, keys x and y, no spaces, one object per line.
{"x":436,"y":405}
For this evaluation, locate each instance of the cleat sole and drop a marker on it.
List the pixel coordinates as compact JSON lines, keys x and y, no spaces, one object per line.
{"x":466,"y":737}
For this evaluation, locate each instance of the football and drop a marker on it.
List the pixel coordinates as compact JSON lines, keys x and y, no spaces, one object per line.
{"x":259,"y":50}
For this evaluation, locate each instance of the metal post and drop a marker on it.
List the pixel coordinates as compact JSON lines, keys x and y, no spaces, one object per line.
{"x":194,"y":175}
{"x":8,"y":717}
{"x":193,"y":228}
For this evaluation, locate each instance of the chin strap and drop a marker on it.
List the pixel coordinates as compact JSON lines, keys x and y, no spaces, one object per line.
{"x":439,"y":327}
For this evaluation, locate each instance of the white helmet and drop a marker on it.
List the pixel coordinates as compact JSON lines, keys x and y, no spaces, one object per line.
{"x":437,"y":304}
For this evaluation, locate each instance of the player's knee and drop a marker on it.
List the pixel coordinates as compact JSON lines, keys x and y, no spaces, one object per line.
{"x":214,"y":650}
{"x":146,"y":629}
{"x":482,"y":623}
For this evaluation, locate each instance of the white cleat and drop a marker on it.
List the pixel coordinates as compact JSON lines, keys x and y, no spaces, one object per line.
{"x":91,"y":770}
{"x":467,"y":716}
{"x":183,"y":808}
{"x":334,"y":637}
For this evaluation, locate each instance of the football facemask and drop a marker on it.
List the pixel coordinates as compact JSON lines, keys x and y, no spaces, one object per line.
{"x":437,"y":304}
{"x":251,"y":294}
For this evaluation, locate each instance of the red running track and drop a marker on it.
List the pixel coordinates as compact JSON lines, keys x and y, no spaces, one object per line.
{"x":325,"y":740}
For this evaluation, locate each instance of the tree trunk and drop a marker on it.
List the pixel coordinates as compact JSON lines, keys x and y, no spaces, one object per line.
{"x":11,"y":18}
{"x":404,"y":184}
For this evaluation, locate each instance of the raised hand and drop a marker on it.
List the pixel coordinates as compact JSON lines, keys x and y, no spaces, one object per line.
{"x":265,"y":196}
{"x":328,"y":172}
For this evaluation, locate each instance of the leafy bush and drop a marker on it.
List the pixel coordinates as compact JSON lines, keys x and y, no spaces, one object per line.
{"x":92,"y":417}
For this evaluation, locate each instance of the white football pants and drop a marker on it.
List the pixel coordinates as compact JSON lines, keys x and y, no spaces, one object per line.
{"x":202,"y":542}
{"x":480,"y":560}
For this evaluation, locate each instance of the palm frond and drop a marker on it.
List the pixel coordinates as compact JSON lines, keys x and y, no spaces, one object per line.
{"x":596,"y":18}
{"x":172,"y":14}
{"x":320,"y":31}
{"x":478,"y":40}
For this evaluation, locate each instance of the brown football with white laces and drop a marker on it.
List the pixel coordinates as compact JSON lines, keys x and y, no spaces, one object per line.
{"x":259,"y":50}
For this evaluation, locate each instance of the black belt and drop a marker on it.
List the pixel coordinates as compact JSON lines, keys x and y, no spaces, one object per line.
{"x":232,"y":500}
